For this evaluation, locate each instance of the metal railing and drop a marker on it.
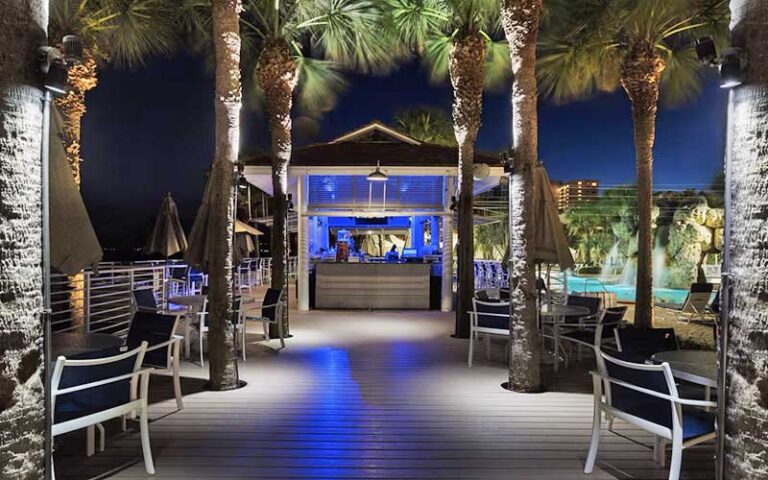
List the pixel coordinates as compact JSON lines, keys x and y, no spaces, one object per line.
{"x":101,"y":300}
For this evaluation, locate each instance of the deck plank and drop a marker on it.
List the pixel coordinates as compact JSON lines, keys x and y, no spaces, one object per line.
{"x":373,"y":395}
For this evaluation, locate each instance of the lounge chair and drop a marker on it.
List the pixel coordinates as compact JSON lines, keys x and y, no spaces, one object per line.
{"x":696,"y":304}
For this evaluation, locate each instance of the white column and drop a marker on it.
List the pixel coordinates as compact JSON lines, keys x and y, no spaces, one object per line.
{"x":446,"y":302}
{"x":303,"y":231}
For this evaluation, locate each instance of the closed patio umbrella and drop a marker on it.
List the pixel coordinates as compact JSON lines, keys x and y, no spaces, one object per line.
{"x":551,"y":244}
{"x":74,"y":244}
{"x":167,"y":236}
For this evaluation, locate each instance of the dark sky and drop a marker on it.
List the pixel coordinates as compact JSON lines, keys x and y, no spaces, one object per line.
{"x":150,"y":131}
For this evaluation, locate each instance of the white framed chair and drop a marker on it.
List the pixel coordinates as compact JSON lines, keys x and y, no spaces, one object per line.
{"x":646,"y":396}
{"x":85,"y":393}
{"x":595,"y":334}
{"x":487,"y":318}
{"x":237,"y":321}
{"x":164,"y":346}
{"x":696,"y":305}
{"x":270,"y":313}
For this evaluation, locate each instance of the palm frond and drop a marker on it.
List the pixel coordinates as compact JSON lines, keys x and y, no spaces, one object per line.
{"x":139,"y":28}
{"x":320,"y":84}
{"x":437,"y":56}
{"x":681,"y":80}
{"x":498,"y":70}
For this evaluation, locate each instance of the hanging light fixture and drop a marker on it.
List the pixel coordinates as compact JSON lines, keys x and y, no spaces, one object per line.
{"x":377,"y":175}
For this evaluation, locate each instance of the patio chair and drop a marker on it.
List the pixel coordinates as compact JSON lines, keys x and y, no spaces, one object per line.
{"x":177,"y":283}
{"x":237,"y":323}
{"x":596,"y":335}
{"x":164,"y":347}
{"x":696,"y":304}
{"x":646,"y":397}
{"x":641,"y":343}
{"x":590,"y":303}
{"x":487,"y":318}
{"x":85,"y":393}
{"x":271,"y":313}
{"x":144,"y":300}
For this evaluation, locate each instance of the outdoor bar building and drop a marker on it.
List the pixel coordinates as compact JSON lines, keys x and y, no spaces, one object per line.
{"x":362,"y":193}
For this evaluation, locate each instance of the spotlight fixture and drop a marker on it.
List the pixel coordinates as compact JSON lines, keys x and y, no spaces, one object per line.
{"x":55,"y":63}
{"x":508,"y":160}
{"x":732,"y":68}
{"x":377,"y":175}
{"x":454,"y":204}
{"x":706,"y":50}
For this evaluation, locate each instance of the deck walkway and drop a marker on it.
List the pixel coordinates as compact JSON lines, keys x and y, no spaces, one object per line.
{"x":373,"y":395}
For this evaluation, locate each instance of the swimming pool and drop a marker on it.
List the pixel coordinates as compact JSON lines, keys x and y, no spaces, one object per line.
{"x":624,"y":293}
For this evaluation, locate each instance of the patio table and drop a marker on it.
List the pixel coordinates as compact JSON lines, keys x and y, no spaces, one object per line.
{"x":192,"y":304}
{"x":554,"y":315}
{"x":695,"y":366}
{"x":85,"y":345}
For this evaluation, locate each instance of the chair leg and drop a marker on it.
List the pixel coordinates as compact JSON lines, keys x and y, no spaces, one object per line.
{"x":177,"y":383}
{"x":90,"y":441}
{"x":102,"y":438}
{"x":186,"y":338}
{"x":145,"y":446}
{"x":280,"y":332}
{"x":200,"y":337}
{"x":592,"y":456}
{"x":677,"y":460}
{"x":266,"y":330}
{"x":242,"y":339}
{"x":472,"y":336}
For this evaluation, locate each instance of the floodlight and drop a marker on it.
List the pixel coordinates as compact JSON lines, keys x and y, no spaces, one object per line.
{"x":732,"y":69}
{"x":377,"y":175}
{"x":706,"y":50}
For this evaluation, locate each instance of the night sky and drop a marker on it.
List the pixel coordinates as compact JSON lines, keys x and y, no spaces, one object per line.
{"x":150,"y":131}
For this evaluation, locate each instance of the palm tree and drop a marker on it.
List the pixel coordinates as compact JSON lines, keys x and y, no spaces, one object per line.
{"x":305,"y":43}
{"x":119,"y":32}
{"x":458,"y":40}
{"x":225,"y":23}
{"x":644,"y":47}
{"x":746,"y":389}
{"x":427,"y":124}
{"x":23,"y":26}
{"x":520,"y":19}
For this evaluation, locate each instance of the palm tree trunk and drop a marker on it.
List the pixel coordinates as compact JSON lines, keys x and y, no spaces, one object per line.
{"x":278,"y":74}
{"x":467,"y":73}
{"x":746,"y":404}
{"x":640,"y":76}
{"x":228,"y":95}
{"x":23,"y":25}
{"x":82,"y":78}
{"x":521,"y":23}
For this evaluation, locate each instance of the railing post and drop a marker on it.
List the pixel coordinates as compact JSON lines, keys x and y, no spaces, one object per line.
{"x":87,"y":303}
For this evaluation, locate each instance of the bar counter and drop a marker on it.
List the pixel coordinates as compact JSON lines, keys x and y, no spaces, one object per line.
{"x":372,"y":286}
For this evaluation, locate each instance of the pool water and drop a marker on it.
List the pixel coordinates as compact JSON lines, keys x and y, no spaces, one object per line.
{"x":624,"y":293}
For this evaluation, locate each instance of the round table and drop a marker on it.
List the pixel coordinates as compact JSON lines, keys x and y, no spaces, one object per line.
{"x":695,"y":366}
{"x":553,"y":312}
{"x":188,"y":300}
{"x":85,"y":345}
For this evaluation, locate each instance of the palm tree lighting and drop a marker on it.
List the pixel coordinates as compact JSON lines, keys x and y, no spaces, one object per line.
{"x":377,"y":175}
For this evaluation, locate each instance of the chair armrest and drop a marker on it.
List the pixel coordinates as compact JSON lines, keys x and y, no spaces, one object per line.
{"x":654,"y":393}
{"x":166,"y":343}
{"x":106,"y":381}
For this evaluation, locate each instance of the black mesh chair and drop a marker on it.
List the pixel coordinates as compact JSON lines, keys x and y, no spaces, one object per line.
{"x":270,"y":312}
{"x":487,"y":318}
{"x":597,"y":335}
{"x":639,"y":344}
{"x":590,"y":303}
{"x":144,"y":300}
{"x":164,"y":347}
{"x":646,"y":396}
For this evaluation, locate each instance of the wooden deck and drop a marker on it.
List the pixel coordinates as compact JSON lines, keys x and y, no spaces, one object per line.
{"x":364,"y":395}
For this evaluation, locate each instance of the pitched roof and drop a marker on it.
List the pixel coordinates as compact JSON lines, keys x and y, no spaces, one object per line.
{"x":375,"y":131}
{"x":368,"y":153}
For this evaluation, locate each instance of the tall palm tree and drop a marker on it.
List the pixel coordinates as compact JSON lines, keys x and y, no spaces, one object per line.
{"x":520,"y":19}
{"x":23,"y":26}
{"x":458,"y":40}
{"x":306,"y":44}
{"x":427,"y":124}
{"x":225,"y":25}
{"x":117,"y":32}
{"x":645,"y":47}
{"x":747,"y":377}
